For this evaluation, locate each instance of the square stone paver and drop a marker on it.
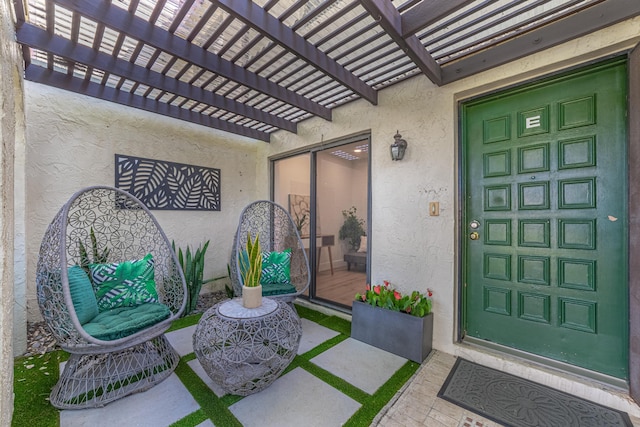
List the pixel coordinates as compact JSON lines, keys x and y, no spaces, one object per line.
{"x":162,"y":405}
{"x":295,"y":399}
{"x":182,"y":340}
{"x":199,"y":370}
{"x":360,"y":364}
{"x":313,"y":335}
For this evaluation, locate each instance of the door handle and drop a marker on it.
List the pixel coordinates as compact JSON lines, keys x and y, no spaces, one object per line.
{"x":474,"y":235}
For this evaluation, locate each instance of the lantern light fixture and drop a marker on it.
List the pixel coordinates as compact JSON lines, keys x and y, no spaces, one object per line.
{"x":398,"y":147}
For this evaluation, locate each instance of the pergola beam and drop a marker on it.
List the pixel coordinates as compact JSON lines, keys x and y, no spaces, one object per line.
{"x":37,"y":38}
{"x":146,"y":32}
{"x":63,"y":81}
{"x":256,"y":17}
{"x":391,"y":21}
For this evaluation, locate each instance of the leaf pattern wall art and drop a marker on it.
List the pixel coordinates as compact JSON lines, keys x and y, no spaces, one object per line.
{"x":165,"y":185}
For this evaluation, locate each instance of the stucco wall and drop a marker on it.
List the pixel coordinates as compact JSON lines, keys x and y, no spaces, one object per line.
{"x":72,"y":140}
{"x":11,"y":134}
{"x":410,"y":248}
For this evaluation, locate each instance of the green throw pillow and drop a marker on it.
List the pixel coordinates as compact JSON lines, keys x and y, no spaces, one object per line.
{"x":124,"y":284}
{"x":82,"y":295}
{"x":276,"y":267}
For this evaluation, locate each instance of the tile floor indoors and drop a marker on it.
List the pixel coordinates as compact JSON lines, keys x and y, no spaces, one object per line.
{"x":298,"y":398}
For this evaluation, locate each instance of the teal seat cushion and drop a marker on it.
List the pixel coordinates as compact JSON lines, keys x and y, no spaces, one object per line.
{"x":124,"y":284}
{"x":276,"y":267}
{"x":82,"y":295}
{"x":121,"y":322}
{"x":271,"y":289}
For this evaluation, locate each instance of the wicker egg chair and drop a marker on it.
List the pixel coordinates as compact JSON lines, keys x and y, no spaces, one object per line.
{"x":122,"y":350}
{"x":276,"y":232}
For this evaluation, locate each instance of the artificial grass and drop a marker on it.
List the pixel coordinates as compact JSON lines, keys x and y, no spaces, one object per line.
{"x":34,"y":377}
{"x":374,"y":404}
{"x":183,"y":322}
{"x":209,"y":403}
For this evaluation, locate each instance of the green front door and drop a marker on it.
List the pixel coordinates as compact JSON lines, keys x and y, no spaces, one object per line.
{"x":545,"y":219}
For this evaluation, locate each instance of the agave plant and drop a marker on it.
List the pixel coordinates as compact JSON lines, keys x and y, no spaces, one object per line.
{"x":192,"y":264}
{"x":100,"y":256}
{"x":251,"y":263}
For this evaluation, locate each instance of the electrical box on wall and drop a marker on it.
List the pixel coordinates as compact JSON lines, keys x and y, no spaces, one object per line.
{"x":434,"y":208}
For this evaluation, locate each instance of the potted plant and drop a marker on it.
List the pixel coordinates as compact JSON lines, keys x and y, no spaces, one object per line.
{"x":401,"y":324}
{"x":352,"y":229}
{"x":192,"y":264}
{"x":300,"y":221}
{"x":251,"y":271}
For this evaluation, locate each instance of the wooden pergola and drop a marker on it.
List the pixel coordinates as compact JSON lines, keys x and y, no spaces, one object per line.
{"x":252,"y":67}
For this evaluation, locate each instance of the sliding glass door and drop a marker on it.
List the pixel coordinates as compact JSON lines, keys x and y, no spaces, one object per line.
{"x":342,"y":180}
{"x":326,"y":191}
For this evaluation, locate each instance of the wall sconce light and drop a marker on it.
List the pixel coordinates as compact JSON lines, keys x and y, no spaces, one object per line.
{"x":398,"y":147}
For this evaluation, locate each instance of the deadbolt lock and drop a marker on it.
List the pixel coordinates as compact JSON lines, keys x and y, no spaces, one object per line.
{"x":474,"y":236}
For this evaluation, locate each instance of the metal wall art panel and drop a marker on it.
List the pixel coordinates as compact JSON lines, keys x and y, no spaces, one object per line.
{"x":167,"y":185}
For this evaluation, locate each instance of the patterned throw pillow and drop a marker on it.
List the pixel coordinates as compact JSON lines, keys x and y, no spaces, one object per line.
{"x":124,"y":284}
{"x":276,"y":267}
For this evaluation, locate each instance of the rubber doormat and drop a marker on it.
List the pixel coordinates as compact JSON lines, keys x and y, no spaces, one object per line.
{"x":518,"y":402}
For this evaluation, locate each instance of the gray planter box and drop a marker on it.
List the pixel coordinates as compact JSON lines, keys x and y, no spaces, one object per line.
{"x":398,"y":333}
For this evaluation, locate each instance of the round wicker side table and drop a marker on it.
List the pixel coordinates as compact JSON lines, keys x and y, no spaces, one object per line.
{"x":245,"y":350}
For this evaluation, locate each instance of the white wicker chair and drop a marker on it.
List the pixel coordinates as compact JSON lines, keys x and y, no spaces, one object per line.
{"x":102,"y":370}
{"x":277,"y":232}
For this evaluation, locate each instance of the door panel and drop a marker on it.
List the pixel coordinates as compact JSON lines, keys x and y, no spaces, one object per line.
{"x":545,"y":179}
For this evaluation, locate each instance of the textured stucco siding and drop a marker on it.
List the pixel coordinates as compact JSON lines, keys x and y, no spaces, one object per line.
{"x":408,"y":247}
{"x":72,"y":141}
{"x":11,"y":135}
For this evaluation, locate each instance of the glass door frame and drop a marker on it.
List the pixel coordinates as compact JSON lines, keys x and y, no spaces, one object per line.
{"x":313,"y":151}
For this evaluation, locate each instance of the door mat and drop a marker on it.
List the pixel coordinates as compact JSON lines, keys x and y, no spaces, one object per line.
{"x":518,"y":402}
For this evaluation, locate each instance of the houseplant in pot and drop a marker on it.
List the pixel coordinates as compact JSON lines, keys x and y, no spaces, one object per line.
{"x":352,"y":229}
{"x":251,"y":271}
{"x":401,"y":324}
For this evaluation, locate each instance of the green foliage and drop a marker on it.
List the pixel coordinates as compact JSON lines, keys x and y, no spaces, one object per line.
{"x":300,"y":221}
{"x":100,"y":256}
{"x":352,"y":228}
{"x":192,"y":265}
{"x":251,"y":263}
{"x":386,"y":296}
{"x":228,"y":289}
{"x":33,"y":379}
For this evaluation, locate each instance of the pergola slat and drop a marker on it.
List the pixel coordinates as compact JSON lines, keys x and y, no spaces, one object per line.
{"x":391,"y":20}
{"x":261,"y":20}
{"x":265,"y":65}
{"x":137,"y":28}
{"x":40,"y":39}
{"x":428,"y":12}
{"x":587,"y":21}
